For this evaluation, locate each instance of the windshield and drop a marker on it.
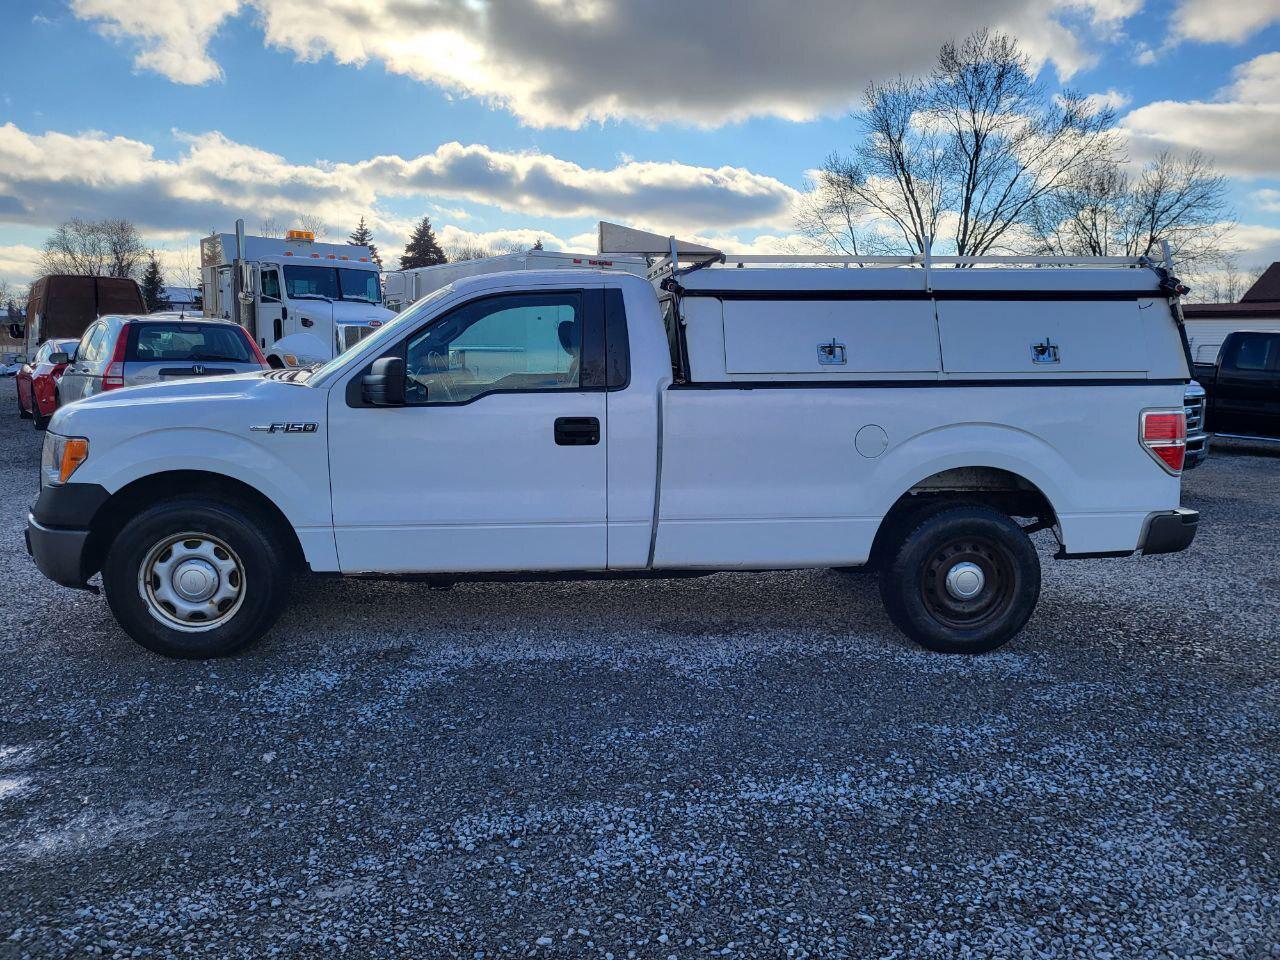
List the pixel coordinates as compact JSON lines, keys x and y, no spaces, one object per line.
{"x":331,"y":283}
{"x":360,"y":285}
{"x":388,"y":333}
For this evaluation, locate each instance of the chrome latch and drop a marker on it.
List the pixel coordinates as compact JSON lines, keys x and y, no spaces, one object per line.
{"x":832,"y":353}
{"x":1046,"y":352}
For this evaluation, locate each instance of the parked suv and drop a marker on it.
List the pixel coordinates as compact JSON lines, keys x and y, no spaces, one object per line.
{"x":124,"y":351}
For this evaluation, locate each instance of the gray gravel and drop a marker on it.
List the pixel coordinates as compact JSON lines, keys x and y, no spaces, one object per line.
{"x":749,"y":765}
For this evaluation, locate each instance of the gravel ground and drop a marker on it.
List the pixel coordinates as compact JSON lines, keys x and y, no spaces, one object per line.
{"x":749,"y":765}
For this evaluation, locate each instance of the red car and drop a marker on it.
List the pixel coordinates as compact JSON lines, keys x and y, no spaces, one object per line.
{"x":38,"y":381}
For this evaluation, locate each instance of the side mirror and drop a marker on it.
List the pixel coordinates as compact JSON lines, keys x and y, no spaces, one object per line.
{"x":16,"y":331}
{"x":383,"y":385}
{"x":60,"y":357}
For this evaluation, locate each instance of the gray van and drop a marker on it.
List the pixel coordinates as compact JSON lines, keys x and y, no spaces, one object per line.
{"x":123,"y":351}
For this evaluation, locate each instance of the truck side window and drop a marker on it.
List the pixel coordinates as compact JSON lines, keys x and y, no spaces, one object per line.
{"x":271,"y":286}
{"x":1254,"y":352}
{"x":516,"y":342}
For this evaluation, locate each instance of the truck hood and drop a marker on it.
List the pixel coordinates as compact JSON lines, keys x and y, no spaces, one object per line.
{"x":349,"y":311}
{"x":192,"y":402}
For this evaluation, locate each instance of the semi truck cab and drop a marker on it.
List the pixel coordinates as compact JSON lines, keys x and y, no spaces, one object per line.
{"x":303,"y":302}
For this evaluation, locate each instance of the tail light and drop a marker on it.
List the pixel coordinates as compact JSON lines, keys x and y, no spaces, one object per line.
{"x":113,"y":376}
{"x":1163,"y":434}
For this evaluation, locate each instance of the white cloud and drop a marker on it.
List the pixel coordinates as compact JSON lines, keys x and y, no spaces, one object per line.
{"x":554,"y":62}
{"x":47,"y":177}
{"x":1240,"y":129}
{"x":1227,"y":21}
{"x":1111,"y":100}
{"x":1093,"y":103}
{"x":18,"y":263}
{"x":173,"y":37}
{"x":451,"y":236}
{"x":1254,"y":240}
{"x":1268,"y":200}
{"x":670,"y":192}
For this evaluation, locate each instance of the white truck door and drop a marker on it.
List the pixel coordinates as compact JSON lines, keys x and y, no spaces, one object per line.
{"x":271,"y":308}
{"x":497,"y":460}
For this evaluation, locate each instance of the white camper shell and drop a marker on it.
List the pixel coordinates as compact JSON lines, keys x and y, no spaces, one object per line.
{"x":303,"y":302}
{"x":405,"y":287}
{"x":896,"y":413}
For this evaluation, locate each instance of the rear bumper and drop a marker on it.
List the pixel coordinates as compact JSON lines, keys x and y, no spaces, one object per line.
{"x":59,"y":554}
{"x":1169,"y":531}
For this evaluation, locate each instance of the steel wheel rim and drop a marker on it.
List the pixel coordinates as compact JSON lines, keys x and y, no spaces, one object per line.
{"x":193,"y":582}
{"x":988,"y":604}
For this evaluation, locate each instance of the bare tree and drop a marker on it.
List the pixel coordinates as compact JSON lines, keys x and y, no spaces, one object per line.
{"x":1108,"y":211}
{"x":1225,"y":285}
{"x":111,"y":248}
{"x":315,"y":223}
{"x":184,"y":267}
{"x":126,"y":253}
{"x":76,"y":247}
{"x":831,"y":213}
{"x":970,"y":149}
{"x":270,"y":227}
{"x":467,"y":250}
{"x":478,"y":250}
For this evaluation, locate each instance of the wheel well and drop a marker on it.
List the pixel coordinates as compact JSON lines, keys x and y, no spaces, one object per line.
{"x":1001,"y":490}
{"x":131,"y":499}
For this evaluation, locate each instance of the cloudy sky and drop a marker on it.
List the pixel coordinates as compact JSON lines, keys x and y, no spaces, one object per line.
{"x":535,"y":118}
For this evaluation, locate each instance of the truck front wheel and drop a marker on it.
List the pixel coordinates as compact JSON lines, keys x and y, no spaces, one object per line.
{"x":196,"y":578}
{"x":961,"y":579}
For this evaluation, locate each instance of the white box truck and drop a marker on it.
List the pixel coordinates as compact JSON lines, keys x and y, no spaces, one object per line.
{"x":303,"y":302}
{"x":403,"y":288}
{"x":573,"y":423}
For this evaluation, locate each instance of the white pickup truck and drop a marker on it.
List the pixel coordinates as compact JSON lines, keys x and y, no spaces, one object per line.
{"x":584,"y":423}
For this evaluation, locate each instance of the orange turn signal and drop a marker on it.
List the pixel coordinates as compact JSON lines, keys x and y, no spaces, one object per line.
{"x":74,"y":453}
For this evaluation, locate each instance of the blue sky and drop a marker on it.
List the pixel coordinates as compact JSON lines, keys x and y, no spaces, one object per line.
{"x":183,"y":114}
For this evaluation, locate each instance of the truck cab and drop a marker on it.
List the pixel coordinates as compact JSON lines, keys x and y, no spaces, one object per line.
{"x":303,"y":302}
{"x":1243,"y":386}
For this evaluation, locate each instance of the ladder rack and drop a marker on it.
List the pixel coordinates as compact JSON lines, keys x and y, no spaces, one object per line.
{"x":667,"y":253}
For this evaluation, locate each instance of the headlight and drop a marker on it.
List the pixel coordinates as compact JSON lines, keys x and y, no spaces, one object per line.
{"x":61,"y":457}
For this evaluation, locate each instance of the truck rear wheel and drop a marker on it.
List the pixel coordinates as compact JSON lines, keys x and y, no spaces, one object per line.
{"x":196,"y":578}
{"x":961,"y":579}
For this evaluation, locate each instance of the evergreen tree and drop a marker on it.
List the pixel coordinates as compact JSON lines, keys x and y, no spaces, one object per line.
{"x":537,"y":244}
{"x":362,"y":236}
{"x":423,"y":249}
{"x":153,"y":285}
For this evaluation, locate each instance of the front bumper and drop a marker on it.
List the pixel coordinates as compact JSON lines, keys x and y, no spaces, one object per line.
{"x":59,"y":554}
{"x":58,"y":529}
{"x":1169,"y":531}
